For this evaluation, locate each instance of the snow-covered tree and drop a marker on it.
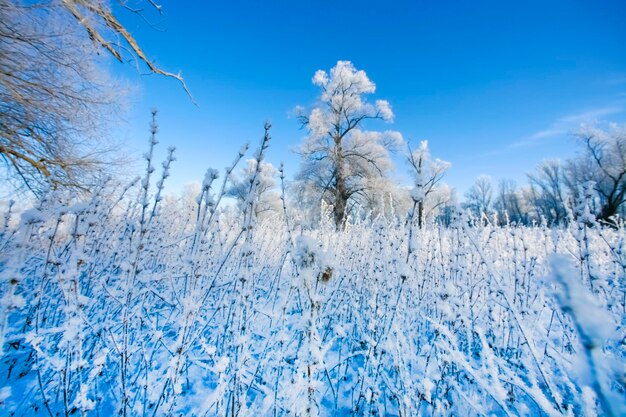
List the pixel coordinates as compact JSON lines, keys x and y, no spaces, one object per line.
{"x":340,"y":160}
{"x":267,"y":199}
{"x":478,"y":198}
{"x":604,"y":163}
{"x":427,"y":174}
{"x":510,"y":203}
{"x":548,"y":191}
{"x":385,"y":198}
{"x":56,"y":101}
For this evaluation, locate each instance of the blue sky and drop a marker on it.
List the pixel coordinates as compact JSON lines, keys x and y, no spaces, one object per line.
{"x":494,"y":86}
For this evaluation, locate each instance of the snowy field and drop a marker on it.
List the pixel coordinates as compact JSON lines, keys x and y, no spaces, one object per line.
{"x":364,"y":277}
{"x":134,"y":305}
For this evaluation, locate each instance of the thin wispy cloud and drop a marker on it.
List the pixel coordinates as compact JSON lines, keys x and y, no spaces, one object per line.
{"x":560,"y":127}
{"x":565,"y":125}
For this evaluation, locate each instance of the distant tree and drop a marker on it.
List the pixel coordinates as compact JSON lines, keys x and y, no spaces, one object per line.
{"x":478,"y":198}
{"x":427,"y":174}
{"x":446,"y":214}
{"x":443,"y":196}
{"x":604,"y":163}
{"x":510,"y":204}
{"x":267,"y":199}
{"x":385,"y":197}
{"x":53,"y":97}
{"x":340,"y":160}
{"x":549,"y":191}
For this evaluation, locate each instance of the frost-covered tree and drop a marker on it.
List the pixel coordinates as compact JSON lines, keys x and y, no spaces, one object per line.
{"x":510,"y":203}
{"x":478,"y":198}
{"x":427,"y":174}
{"x":386,"y":198}
{"x":443,"y":196}
{"x":339,"y":159}
{"x":55,"y":101}
{"x":548,"y":191}
{"x":52,"y":98}
{"x":604,"y":163}
{"x":267,"y":199}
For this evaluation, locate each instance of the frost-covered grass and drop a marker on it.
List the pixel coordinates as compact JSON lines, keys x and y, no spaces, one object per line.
{"x":137,"y":306}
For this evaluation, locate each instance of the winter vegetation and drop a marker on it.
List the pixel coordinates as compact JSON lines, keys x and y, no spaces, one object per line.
{"x":127,"y":303}
{"x":339,"y":292}
{"x":556,"y":185}
{"x":130,"y":305}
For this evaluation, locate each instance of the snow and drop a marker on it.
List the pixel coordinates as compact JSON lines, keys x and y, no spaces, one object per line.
{"x":196,"y":315}
{"x":384,"y":108}
{"x":579,"y":302}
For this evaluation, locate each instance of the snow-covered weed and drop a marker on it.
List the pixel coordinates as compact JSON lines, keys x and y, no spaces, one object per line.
{"x":132,"y":304}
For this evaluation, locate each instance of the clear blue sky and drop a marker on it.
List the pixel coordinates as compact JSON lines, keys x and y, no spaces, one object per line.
{"x":495,"y":86}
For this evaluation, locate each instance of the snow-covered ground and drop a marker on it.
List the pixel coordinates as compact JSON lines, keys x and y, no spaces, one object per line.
{"x":141,"y":307}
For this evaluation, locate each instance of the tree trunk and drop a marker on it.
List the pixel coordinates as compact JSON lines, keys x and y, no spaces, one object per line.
{"x":341,"y":193}
{"x":614,"y":201}
{"x":420,"y":214}
{"x":608,"y":210}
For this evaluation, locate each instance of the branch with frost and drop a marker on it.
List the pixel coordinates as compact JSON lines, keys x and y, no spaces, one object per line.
{"x":90,"y":13}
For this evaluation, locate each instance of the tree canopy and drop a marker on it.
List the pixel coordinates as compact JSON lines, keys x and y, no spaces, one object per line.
{"x":55,"y":99}
{"x":340,"y":159}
